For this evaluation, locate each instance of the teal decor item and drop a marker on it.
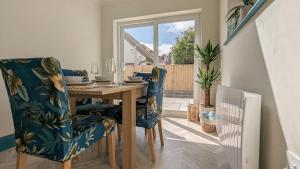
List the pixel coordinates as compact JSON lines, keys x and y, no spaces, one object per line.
{"x":7,"y":142}
{"x":239,"y":15}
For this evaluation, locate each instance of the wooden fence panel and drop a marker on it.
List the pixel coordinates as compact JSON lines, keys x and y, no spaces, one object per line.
{"x":179,"y":77}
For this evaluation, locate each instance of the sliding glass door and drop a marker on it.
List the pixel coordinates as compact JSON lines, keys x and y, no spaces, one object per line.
{"x":156,"y":43}
{"x":164,"y":42}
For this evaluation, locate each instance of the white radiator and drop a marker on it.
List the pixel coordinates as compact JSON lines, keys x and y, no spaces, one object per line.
{"x":239,"y":126}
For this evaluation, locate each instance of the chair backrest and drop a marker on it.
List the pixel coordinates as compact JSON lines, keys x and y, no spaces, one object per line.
{"x":155,"y":90}
{"x":39,"y":103}
{"x":146,"y":76}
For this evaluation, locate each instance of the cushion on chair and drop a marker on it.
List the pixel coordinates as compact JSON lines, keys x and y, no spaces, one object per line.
{"x":145,"y":121}
{"x":84,"y":123}
{"x":104,"y":110}
{"x":87,"y":130}
{"x":141,"y":119}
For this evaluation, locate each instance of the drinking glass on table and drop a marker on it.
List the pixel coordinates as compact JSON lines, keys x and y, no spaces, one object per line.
{"x":122,"y":72}
{"x":110,"y":68}
{"x":95,"y":69}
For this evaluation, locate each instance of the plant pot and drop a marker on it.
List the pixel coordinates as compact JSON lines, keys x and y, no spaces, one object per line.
{"x":244,"y":11}
{"x":208,"y":124}
{"x":193,"y":112}
{"x":207,"y":97}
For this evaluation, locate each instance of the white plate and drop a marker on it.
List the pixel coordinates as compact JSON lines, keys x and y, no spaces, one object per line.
{"x":78,"y":83}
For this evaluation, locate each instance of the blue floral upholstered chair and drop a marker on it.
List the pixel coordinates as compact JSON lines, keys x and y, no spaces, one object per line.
{"x":43,"y":123}
{"x":149,"y":111}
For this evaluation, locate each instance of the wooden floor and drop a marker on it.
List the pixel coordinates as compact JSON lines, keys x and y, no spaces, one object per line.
{"x":186,"y":147}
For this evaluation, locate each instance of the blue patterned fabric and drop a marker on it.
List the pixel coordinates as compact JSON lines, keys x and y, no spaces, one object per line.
{"x":41,"y":114}
{"x":149,"y":111}
{"x":146,"y":76}
{"x":101,"y":109}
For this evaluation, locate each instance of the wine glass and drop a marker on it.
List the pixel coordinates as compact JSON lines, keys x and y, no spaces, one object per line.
{"x":110,"y":67}
{"x":122,"y":72}
{"x":95,"y":69}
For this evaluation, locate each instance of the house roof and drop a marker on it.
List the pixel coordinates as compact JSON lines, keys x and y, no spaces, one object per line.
{"x":143,"y":49}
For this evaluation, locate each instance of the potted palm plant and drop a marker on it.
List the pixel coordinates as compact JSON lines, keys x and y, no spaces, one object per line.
{"x":238,"y":12}
{"x":207,"y":76}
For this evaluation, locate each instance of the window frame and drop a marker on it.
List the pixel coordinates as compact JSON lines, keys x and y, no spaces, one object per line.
{"x":151,"y":20}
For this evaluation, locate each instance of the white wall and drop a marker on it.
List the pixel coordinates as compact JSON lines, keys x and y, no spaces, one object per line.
{"x":280,"y":46}
{"x":243,"y":67}
{"x":67,"y":29}
{"x":118,"y":9}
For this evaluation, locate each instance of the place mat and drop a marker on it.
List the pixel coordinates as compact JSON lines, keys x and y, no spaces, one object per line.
{"x":93,"y":86}
{"x":78,"y":83}
{"x":101,"y":81}
{"x":82,"y":87}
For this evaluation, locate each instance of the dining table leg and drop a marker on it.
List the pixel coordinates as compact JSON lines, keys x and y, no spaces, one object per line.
{"x":129,"y":129}
{"x":72,"y":103}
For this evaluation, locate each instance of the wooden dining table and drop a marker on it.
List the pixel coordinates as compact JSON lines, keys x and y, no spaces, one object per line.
{"x":128,"y":94}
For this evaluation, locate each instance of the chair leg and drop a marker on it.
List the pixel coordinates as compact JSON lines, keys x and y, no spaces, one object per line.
{"x":151,"y":144}
{"x":21,"y":161}
{"x":106,"y":147}
{"x":99,"y":143}
{"x":112,"y":149}
{"x":161,"y":133}
{"x":77,"y":158}
{"x":66,"y":165}
{"x":119,"y":130}
{"x":154,"y":133}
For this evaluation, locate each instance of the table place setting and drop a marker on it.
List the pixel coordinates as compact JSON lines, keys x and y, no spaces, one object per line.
{"x":134,"y":80}
{"x":76,"y":81}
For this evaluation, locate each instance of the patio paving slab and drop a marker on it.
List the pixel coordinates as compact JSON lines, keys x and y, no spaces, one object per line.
{"x":176,"y":104}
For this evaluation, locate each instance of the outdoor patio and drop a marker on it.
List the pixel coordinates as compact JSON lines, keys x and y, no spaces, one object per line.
{"x":176,"y":105}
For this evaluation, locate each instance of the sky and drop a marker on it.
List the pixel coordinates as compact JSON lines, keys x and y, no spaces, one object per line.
{"x":167,"y":34}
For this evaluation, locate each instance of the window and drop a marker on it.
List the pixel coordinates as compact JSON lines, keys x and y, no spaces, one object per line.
{"x":143,"y":44}
{"x":164,"y":40}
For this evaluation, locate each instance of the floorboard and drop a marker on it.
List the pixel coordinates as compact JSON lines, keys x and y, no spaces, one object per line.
{"x":186,"y":147}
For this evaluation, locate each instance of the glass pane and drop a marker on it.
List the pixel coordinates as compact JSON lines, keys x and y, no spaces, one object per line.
{"x":176,"y":42}
{"x":138,"y":51}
